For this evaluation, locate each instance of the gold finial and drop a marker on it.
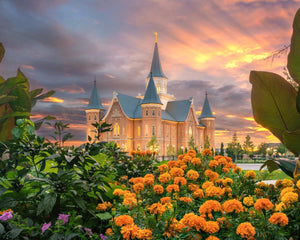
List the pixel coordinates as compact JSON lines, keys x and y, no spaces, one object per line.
{"x":155,"y":33}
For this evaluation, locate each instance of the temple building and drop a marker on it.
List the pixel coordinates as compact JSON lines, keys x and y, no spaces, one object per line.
{"x":136,"y":120}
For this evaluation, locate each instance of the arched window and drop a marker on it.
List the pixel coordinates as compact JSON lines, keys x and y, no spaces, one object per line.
{"x":158,"y":88}
{"x":89,"y":117}
{"x":190,"y":131}
{"x":146,"y":130}
{"x":95,"y":117}
{"x":153,"y":130}
{"x":116,"y":129}
{"x":139,"y":131}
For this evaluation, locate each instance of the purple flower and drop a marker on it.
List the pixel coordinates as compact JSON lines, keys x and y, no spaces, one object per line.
{"x":88,"y":231}
{"x":103,"y":237}
{"x":45,"y":227}
{"x":64,"y":218}
{"x":6,"y":215}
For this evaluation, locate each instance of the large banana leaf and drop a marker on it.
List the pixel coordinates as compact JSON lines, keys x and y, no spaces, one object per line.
{"x":2,"y":52}
{"x":286,"y":165}
{"x":294,"y":55}
{"x":274,"y":106}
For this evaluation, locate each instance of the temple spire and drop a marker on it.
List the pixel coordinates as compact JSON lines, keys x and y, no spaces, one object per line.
{"x":156,"y":68}
{"x":151,"y":95}
{"x":206,"y":110}
{"x":95,"y":102}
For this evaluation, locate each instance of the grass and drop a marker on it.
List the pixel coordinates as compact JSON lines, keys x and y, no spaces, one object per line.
{"x":266,"y":175}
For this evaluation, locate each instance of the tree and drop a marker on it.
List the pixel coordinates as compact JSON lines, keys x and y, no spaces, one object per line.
{"x":248,"y":145}
{"x":100,"y":129}
{"x":153,"y":144}
{"x":222,"y":149}
{"x":234,"y":149}
{"x":206,"y":143}
{"x":62,"y":136}
{"x":170,"y":150}
{"x":192,"y":143}
{"x":262,"y":149}
{"x":281,"y":149}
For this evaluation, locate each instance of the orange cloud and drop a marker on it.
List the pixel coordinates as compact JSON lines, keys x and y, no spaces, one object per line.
{"x":249,"y":119}
{"x":53,"y":99}
{"x":27,"y":67}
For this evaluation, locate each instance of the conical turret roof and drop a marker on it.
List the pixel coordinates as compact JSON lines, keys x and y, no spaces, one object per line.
{"x":206,"y":110}
{"x":156,"y":68}
{"x":95,"y":102}
{"x":151,"y":95}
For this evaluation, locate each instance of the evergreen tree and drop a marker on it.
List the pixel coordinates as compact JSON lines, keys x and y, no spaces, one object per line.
{"x":234,"y":149}
{"x":192,"y":143}
{"x":262,"y":149}
{"x":248,"y":145}
{"x":206,"y":143}
{"x":222,"y":149}
{"x":153,"y":144}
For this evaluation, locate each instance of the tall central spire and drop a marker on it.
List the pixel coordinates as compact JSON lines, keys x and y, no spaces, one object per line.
{"x":156,"y":68}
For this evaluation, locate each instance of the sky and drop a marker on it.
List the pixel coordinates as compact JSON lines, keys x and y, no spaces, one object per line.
{"x":212,"y":46}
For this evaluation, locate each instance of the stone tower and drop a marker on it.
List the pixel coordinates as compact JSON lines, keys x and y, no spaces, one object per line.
{"x":208,"y":120}
{"x":94,"y":112}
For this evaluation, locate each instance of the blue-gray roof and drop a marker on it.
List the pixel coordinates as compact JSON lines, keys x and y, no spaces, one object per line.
{"x":156,"y":68}
{"x":130,"y":105}
{"x":151,"y":95}
{"x":179,"y":110}
{"x":95,"y":102}
{"x":206,"y":110}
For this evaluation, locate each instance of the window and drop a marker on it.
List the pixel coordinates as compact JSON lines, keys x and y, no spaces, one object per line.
{"x":153,"y":130}
{"x":89,"y":117}
{"x":116,"y":129}
{"x":123,"y":131}
{"x":139,"y":131}
{"x":167,"y":132}
{"x":158,"y":113}
{"x":146,"y":130}
{"x":146,"y":112}
{"x":190,"y":131}
{"x":95,"y":117}
{"x":158,"y":88}
{"x":153,"y":112}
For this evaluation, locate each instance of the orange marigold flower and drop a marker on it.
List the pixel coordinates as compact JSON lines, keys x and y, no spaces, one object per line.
{"x":172,"y":188}
{"x":148,"y":152}
{"x":130,"y":231}
{"x":213,"y":176}
{"x":196,"y":161}
{"x":183,"y":166}
{"x":213,"y":164}
{"x":212,"y":227}
{"x":209,"y":206}
{"x":278,"y":183}
{"x":149,"y":175}
{"x":187,"y":159}
{"x":279,"y":218}
{"x":289,"y":197}
{"x":133,"y":153}
{"x":280,"y":206}
{"x":185,"y":199}
{"x":158,"y":189}
{"x":165,"y":177}
{"x":118,"y":192}
{"x":138,"y":187}
{"x":225,"y":170}
{"x":258,"y":192}
{"x":193,"y":187}
{"x":286,"y":190}
{"x":136,"y":180}
{"x":129,"y":199}
{"x":298,"y":184}
{"x":192,"y":175}
{"x":171,"y":164}
{"x":248,"y":201}
{"x":144,"y":234}
{"x":180,"y":180}
{"x":123,"y":220}
{"x":101,"y":207}
{"x":173,"y":229}
{"x":157,"y":208}
{"x":263,"y":204}
{"x":176,"y":172}
{"x":163,"y":168}
{"x":250,"y":174}
{"x":148,"y":181}
{"x":206,"y":152}
{"x":109,"y":232}
{"x":198,"y":194}
{"x":207,"y":184}
{"x":246,"y":230}
{"x":262,"y":185}
{"x":192,"y":153}
{"x":165,"y":200}
{"x":232,"y":205}
{"x":227,"y":182}
{"x":211,"y":237}
{"x":214,"y":191}
{"x":287,"y":183}
{"x":237,"y":170}
{"x":192,"y":220}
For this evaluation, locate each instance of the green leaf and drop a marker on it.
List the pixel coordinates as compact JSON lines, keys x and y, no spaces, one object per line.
{"x":298,"y":101}
{"x":31,"y":130}
{"x":79,"y":202}
{"x":5,"y":99}
{"x":274,"y":103}
{"x":46,"y":204}
{"x":286,"y":165}
{"x":14,"y":114}
{"x":17,"y":132}
{"x":43,"y":96}
{"x":271,"y":165}
{"x":2,"y":229}
{"x":293,"y":64}
{"x":71,"y":235}
{"x":2,"y":52}
{"x":292,"y":141}
{"x":14,"y":232}
{"x":35,"y":92}
{"x":104,"y":216}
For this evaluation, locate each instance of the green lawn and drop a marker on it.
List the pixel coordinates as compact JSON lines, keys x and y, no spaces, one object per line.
{"x":266,"y":175}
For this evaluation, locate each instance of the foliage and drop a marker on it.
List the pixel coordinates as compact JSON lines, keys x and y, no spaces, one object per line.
{"x":262,"y":149}
{"x":60,"y":135}
{"x":281,"y":149}
{"x":222,"y":149}
{"x":234,"y":149}
{"x":170,"y":150}
{"x":206,"y":143}
{"x":100,"y":128}
{"x":276,"y":102}
{"x":16,"y":100}
{"x":191,"y":143}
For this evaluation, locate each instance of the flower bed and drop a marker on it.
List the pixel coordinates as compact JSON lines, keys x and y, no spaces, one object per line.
{"x":194,"y":198}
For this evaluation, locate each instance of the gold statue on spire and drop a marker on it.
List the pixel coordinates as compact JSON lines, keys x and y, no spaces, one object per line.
{"x":155,"y":34}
